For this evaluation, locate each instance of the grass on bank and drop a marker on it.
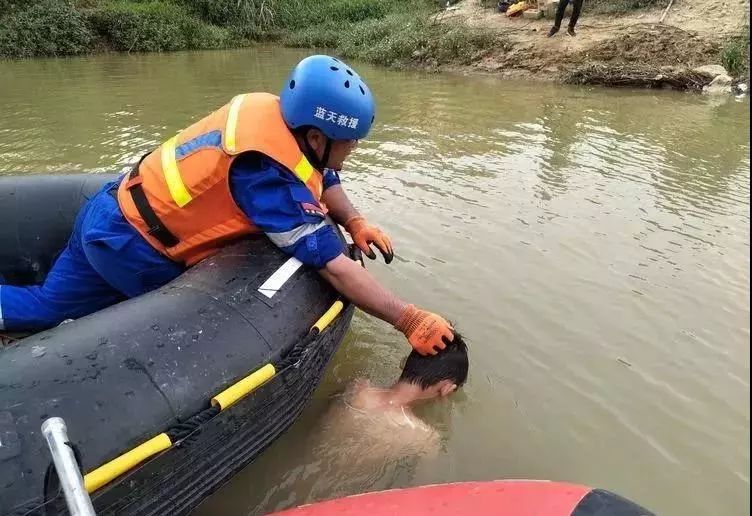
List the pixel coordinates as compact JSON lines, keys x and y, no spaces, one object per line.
{"x":396,"y":41}
{"x":735,"y":55}
{"x":387,"y":32}
{"x":154,"y":27}
{"x":45,"y":28}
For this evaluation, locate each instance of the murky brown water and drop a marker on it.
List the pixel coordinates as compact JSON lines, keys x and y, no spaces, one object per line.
{"x":592,"y":244}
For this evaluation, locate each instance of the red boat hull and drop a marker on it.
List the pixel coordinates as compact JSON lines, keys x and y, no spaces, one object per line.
{"x":498,"y":498}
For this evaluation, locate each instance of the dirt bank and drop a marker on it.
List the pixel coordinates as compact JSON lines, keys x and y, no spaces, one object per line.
{"x":692,"y":34}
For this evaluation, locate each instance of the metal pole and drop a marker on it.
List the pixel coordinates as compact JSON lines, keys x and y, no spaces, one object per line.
{"x":71,"y":481}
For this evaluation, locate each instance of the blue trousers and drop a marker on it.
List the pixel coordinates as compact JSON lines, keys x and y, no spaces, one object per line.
{"x":105,"y":261}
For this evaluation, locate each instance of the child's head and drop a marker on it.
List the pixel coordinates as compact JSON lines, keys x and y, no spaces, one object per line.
{"x":440,"y":374}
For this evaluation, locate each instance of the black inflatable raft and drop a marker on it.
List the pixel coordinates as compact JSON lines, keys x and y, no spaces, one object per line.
{"x":167,"y":395}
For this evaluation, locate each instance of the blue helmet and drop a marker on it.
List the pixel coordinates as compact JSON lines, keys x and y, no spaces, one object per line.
{"x":325,"y":93}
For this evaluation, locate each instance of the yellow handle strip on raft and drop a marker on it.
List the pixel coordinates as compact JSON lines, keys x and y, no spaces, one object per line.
{"x":328,"y":316}
{"x":116,"y":467}
{"x":110,"y":471}
{"x":250,"y":383}
{"x":253,"y":381}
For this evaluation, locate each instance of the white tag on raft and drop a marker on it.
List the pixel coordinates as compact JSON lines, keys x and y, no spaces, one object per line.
{"x":272,"y":285}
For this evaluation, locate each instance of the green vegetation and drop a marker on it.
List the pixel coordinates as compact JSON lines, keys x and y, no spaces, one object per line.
{"x":389,"y":32}
{"x":247,"y":19}
{"x":47,"y":28}
{"x":154,"y":27}
{"x":735,"y":55}
{"x":397,"y":38}
{"x":391,"y":41}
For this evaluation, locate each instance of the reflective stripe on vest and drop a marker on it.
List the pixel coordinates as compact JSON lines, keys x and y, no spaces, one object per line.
{"x":178,"y":191}
{"x":303,"y":169}
{"x":171,"y":170}
{"x":232,"y":122}
{"x":184,"y":185}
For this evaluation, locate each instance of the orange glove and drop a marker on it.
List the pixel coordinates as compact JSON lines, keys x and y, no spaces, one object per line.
{"x":363,"y":234}
{"x":427,"y":333}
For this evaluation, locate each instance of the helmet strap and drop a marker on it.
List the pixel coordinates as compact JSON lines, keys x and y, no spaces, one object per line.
{"x":310,"y":153}
{"x":327,"y":151}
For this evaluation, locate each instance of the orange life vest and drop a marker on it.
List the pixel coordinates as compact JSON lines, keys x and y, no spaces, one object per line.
{"x":178,"y":197}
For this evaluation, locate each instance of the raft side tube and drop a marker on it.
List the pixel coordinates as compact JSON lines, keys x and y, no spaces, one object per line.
{"x":125,"y":374}
{"x":37,"y":214}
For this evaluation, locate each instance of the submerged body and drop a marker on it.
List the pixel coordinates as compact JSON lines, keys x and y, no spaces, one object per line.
{"x":374,"y":427}
{"x":375,"y":423}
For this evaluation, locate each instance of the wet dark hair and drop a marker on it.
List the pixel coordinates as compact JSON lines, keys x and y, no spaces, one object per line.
{"x":449,"y":364}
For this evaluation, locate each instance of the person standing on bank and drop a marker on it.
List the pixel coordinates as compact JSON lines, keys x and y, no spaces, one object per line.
{"x":259,"y":164}
{"x":576,"y":9}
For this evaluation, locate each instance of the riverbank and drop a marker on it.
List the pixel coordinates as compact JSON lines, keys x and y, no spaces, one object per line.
{"x":618,"y":42}
{"x":385,"y":32}
{"x":621,"y":43}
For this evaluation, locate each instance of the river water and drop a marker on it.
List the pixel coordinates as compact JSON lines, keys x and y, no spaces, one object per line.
{"x":592,"y":244}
